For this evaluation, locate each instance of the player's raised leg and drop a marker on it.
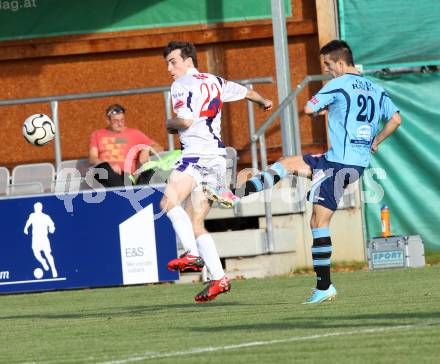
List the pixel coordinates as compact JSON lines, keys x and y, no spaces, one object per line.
{"x":178,"y":189}
{"x":273,"y":174}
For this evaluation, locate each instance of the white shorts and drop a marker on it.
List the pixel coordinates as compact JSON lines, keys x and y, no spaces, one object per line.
{"x":205,"y":171}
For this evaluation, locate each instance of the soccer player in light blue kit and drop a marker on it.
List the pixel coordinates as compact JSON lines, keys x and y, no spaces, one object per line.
{"x":355,"y":106}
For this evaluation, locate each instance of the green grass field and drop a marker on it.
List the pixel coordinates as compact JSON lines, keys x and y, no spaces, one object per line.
{"x":379,"y":317}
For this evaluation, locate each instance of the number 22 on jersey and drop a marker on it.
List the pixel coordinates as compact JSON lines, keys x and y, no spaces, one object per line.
{"x":212,"y":103}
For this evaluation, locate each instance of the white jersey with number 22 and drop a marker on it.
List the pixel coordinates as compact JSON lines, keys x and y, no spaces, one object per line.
{"x":199,"y":97}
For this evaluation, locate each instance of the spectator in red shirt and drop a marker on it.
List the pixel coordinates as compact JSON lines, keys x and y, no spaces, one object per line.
{"x":117,"y":151}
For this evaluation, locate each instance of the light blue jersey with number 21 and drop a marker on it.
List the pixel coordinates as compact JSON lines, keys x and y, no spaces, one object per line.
{"x":355,"y":107}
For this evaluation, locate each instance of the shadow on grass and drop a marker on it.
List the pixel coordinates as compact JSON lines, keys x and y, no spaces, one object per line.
{"x":333,"y":322}
{"x":129,"y":311}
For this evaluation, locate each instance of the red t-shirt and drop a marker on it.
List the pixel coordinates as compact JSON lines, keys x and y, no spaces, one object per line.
{"x":115,"y":147}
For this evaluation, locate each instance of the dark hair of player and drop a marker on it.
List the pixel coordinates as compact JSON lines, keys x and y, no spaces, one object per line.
{"x":338,"y":50}
{"x":187,"y":50}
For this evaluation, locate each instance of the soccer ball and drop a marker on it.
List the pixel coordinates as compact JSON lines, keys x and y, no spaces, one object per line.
{"x":38,"y":129}
{"x":38,"y":273}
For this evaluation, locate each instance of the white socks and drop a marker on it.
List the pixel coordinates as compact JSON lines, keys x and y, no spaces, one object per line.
{"x":204,"y":246}
{"x":183,"y":227}
{"x":208,"y":252}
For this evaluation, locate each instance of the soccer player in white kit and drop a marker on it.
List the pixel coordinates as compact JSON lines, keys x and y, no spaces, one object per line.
{"x":201,"y":172}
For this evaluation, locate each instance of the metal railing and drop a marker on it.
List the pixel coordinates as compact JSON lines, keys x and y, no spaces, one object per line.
{"x":54,"y":100}
{"x":259,"y":136}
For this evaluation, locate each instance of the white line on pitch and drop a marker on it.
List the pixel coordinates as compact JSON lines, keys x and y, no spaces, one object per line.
{"x":210,"y":349}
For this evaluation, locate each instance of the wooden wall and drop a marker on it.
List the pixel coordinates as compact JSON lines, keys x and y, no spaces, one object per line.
{"x":112,"y":61}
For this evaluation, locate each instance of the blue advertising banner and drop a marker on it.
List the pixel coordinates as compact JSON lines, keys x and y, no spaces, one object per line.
{"x":87,"y":239}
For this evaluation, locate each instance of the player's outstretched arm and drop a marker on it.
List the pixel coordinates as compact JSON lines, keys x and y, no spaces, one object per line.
{"x":389,"y":128}
{"x":254,"y":96}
